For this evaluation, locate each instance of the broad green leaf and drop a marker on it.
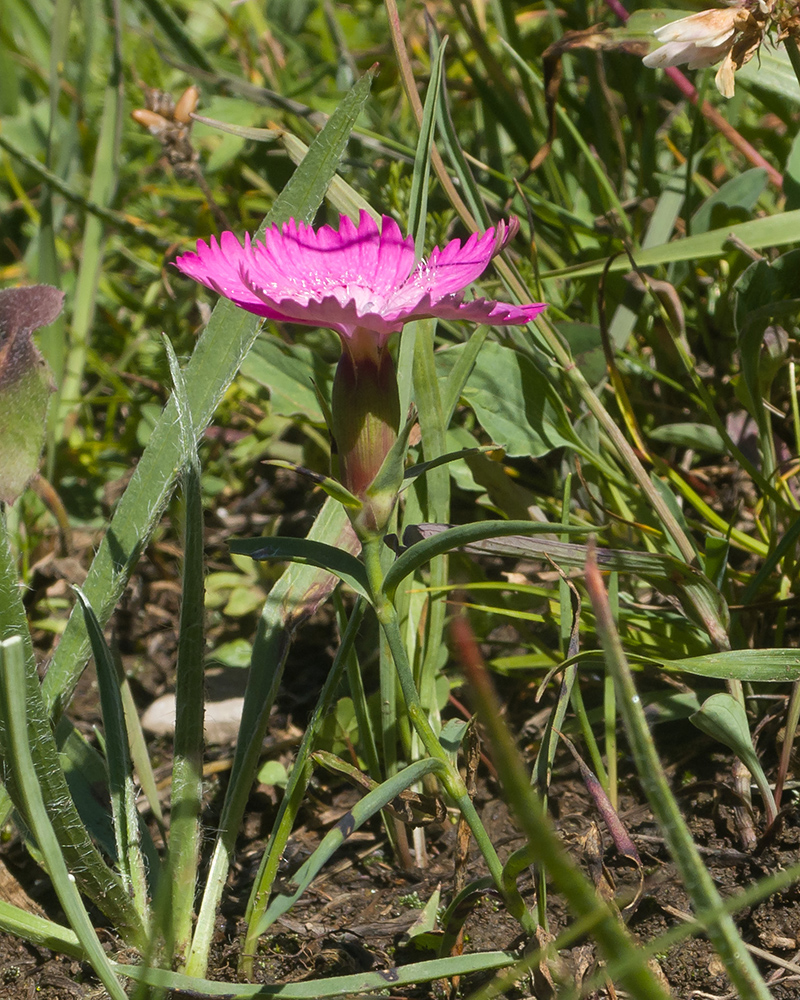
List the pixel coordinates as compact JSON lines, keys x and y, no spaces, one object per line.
{"x":512,"y":399}
{"x":771,"y":70}
{"x":586,"y":347}
{"x":754,"y":665}
{"x":272,"y":772}
{"x":701,"y":437}
{"x":736,"y":196}
{"x":723,"y":718}
{"x":290,"y":372}
{"x":26,"y":383}
{"x":767,"y":291}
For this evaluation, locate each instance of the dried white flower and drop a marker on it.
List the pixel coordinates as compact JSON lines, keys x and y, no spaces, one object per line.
{"x":732,"y":35}
{"x":699,"y":40}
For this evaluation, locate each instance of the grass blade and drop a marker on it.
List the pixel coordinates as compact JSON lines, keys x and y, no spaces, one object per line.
{"x":187,"y":770}
{"x":418,"y":202}
{"x":447,"y":538}
{"x":103,"y":886}
{"x":317,"y":989}
{"x":364,"y":809}
{"x":292,"y":600}
{"x":696,"y":877}
{"x":771,"y":231}
{"x":545,"y":845}
{"x":102,"y":187}
{"x":40,"y":931}
{"x":18,"y":758}
{"x":295,"y":790}
{"x":120,"y":772}
{"x":305,"y":551}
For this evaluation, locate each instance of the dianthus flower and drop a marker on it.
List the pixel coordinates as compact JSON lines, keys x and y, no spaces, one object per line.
{"x":359,"y":278}
{"x":364,"y":283}
{"x":732,"y":35}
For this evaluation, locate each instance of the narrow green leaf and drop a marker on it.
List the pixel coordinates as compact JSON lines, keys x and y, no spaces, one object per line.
{"x":102,"y":188}
{"x":754,"y":665}
{"x":453,"y":386}
{"x":291,"y":601}
{"x":40,"y":931}
{"x":700,"y":597}
{"x":187,"y":771}
{"x":445,"y":539}
{"x":185,"y":46}
{"x":452,"y":146}
{"x":546,"y":847}
{"x":332,"y":487}
{"x":695,"y":875}
{"x":120,"y":772}
{"x":241,"y":131}
{"x":418,"y":201}
{"x":296,"y":786}
{"x":116,"y":219}
{"x":303,"y":195}
{"x":93,"y":876}
{"x":771,"y":231}
{"x":17,"y":753}
{"x":306,"y":552}
{"x":317,"y":989}
{"x":364,"y":809}
{"x":453,"y":456}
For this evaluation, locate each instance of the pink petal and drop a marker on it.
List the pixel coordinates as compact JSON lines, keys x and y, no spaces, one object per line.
{"x":451,"y":269}
{"x":358,"y":276}
{"x":218,"y":266}
{"x":476,"y":311}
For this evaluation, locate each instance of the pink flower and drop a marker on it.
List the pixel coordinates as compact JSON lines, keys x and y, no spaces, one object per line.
{"x":357,"y":279}
{"x":364,"y":283}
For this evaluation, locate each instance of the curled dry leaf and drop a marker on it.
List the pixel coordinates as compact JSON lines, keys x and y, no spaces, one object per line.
{"x":598,"y":38}
{"x":25,"y":383}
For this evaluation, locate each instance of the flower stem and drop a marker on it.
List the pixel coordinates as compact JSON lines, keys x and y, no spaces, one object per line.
{"x":450,"y":778}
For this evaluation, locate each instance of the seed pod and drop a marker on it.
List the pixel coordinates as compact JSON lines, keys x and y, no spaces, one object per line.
{"x":155,"y":124}
{"x":187,"y":102}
